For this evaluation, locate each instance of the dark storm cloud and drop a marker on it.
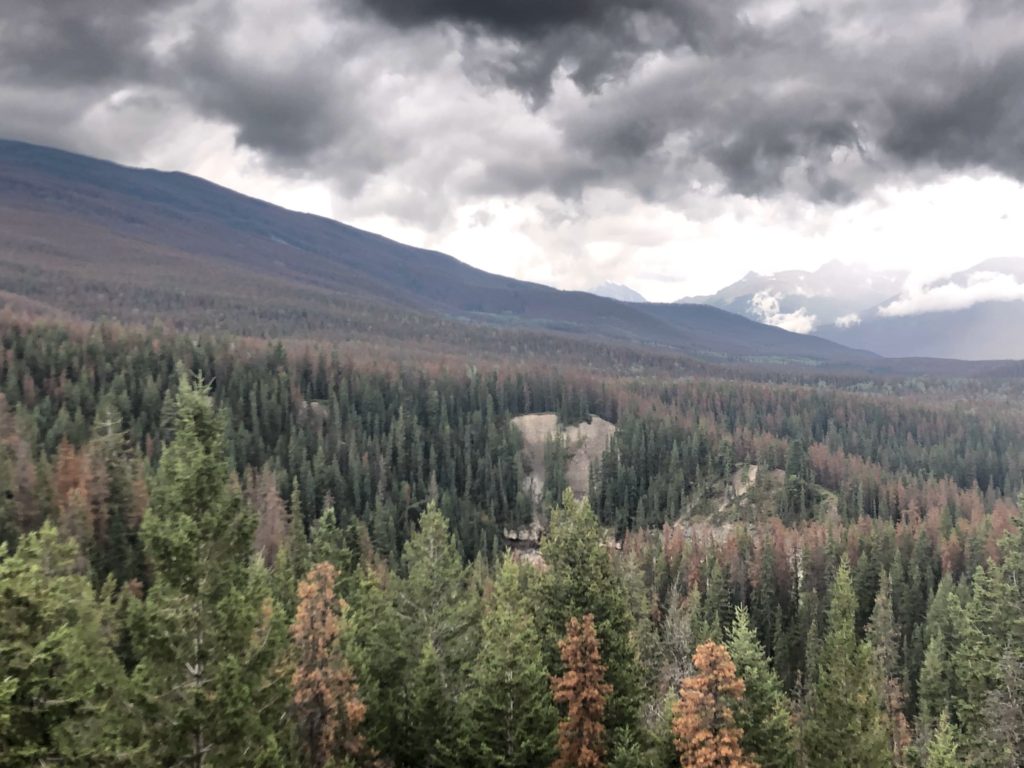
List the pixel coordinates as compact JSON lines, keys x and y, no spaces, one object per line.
{"x":595,"y":39}
{"x":976,"y":118}
{"x":467,"y":99}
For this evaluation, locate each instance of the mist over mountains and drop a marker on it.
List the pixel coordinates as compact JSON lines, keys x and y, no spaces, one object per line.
{"x":972,"y":315}
{"x":802,"y":301}
{"x":975,"y":314}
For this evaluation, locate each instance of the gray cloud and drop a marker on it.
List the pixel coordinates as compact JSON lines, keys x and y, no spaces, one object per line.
{"x":62,"y":43}
{"x":416,"y":107}
{"x":287,"y":108}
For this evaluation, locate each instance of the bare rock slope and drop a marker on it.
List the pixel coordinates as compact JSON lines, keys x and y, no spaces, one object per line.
{"x":584,"y":442}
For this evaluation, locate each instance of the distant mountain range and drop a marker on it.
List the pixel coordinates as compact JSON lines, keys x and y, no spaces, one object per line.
{"x":802,"y":301}
{"x":93,"y":239}
{"x":972,"y":315}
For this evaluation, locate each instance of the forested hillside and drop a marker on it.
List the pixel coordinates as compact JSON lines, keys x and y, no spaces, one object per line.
{"x":226,"y":553}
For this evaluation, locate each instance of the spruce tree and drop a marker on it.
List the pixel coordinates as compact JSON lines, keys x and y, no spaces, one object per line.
{"x":845,"y":729}
{"x":428,"y":713}
{"x":933,"y":691}
{"x":942,"y":747}
{"x":507,"y":717}
{"x":981,"y":628}
{"x":763,"y":712}
{"x":418,"y":636}
{"x":382,"y":658}
{"x":207,"y":635}
{"x":580,"y":578}
{"x":62,"y":688}
{"x":884,"y":638}
{"x":434,"y":599}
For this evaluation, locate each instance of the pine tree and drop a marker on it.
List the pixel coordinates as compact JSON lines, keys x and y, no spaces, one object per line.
{"x":325,"y":695}
{"x":507,"y":714}
{"x":582,"y":690}
{"x":763,"y":712}
{"x":207,"y":635}
{"x":845,"y":728}
{"x":703,"y":722}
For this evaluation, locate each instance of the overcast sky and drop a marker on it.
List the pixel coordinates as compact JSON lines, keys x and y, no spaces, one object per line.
{"x":669,"y":144}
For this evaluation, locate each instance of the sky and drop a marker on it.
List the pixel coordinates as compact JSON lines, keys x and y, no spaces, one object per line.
{"x":671,"y":145}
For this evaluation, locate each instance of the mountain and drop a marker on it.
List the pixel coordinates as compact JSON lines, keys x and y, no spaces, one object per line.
{"x":617,"y":292}
{"x":802,"y":301}
{"x":93,"y":239}
{"x":976,"y":314}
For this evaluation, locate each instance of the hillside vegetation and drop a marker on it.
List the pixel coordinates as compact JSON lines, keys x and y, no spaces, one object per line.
{"x":220,"y":553}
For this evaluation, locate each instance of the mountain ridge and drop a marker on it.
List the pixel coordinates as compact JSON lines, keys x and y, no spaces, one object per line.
{"x":99,"y":239}
{"x":94,"y":239}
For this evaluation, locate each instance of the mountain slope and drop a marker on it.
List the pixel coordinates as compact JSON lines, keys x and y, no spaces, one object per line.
{"x":617,"y":292}
{"x":95,"y":239}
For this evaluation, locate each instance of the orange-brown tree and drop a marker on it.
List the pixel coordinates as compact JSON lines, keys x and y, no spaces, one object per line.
{"x":583,"y":691}
{"x":705,"y":730}
{"x":325,"y":695}
{"x":272,"y":518}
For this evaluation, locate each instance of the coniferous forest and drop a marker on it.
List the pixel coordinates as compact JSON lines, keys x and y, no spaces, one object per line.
{"x":221,"y":552}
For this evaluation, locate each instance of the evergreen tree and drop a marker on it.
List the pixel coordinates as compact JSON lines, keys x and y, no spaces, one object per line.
{"x":435,"y":600}
{"x":933,"y":691}
{"x":580,"y":578}
{"x":508,"y":717}
{"x":428,"y":713}
{"x":845,"y":729}
{"x":763,"y":712}
{"x":981,"y":629}
{"x":62,"y":688}
{"x":207,"y":635}
{"x":383,"y":659}
{"x":292,"y":563}
{"x":942,"y":747}
{"x":704,"y":725}
{"x":582,"y":690}
{"x":420,"y":666}
{"x":884,"y":639}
